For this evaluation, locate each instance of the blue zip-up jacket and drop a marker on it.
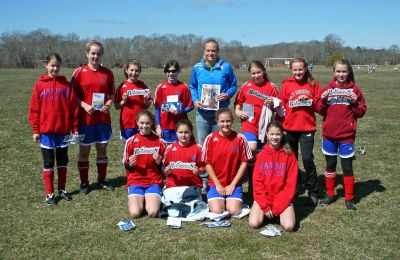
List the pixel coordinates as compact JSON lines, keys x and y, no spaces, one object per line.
{"x":221,"y":74}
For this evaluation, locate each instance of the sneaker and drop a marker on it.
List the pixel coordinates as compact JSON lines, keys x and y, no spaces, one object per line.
{"x":326,"y":200}
{"x":350,"y":205}
{"x":313,"y":199}
{"x":50,"y":199}
{"x":106,"y":186}
{"x":64,"y":195}
{"x":84,"y":189}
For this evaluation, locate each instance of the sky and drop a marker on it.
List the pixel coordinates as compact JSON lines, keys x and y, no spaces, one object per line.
{"x":371,"y":24}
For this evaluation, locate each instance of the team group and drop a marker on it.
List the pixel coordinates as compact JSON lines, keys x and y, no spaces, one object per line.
{"x":162,"y":146}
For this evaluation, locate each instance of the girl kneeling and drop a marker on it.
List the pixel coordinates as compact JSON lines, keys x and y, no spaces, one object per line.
{"x":226,"y":154}
{"x":143,"y":155}
{"x":274,"y":181}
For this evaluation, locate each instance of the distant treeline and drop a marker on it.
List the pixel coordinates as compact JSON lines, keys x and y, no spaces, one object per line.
{"x":29,"y":49}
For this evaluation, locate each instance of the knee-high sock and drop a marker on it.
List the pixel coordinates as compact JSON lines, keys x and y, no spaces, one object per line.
{"x":83,"y":168}
{"x":62,"y":177}
{"x":102,"y":164}
{"x":330,"y":179}
{"x":348,"y":182}
{"x":48,"y":177}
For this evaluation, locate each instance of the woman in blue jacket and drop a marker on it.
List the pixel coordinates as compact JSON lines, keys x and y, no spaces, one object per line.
{"x":211,"y":78}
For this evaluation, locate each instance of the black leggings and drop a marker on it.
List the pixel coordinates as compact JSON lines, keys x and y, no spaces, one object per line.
{"x":61,"y":155}
{"x":347,"y":164}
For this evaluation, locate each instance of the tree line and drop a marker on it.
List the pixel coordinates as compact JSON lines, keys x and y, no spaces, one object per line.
{"x":29,"y":49}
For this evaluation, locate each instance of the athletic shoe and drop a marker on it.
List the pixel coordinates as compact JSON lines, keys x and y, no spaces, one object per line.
{"x":350,"y":205}
{"x":84,"y":189}
{"x":313,"y":199}
{"x":326,"y":200}
{"x":106,"y":186}
{"x":50,"y":200}
{"x":64,"y":195}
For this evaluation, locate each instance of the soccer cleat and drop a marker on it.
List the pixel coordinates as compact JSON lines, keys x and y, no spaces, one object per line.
{"x":325,"y":201}
{"x":64,"y":195}
{"x":84,"y":189}
{"x":106,"y":186}
{"x":313,"y":199}
{"x":50,"y":200}
{"x":350,"y":205}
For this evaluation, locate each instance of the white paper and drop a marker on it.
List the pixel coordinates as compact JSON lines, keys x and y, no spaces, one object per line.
{"x":172,"y":98}
{"x":217,"y":217}
{"x":97,"y":101}
{"x":174,"y":222}
{"x":249,"y":110}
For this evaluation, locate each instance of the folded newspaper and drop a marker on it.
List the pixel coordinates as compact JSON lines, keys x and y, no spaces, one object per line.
{"x":126,"y":225}
{"x":214,"y":224}
{"x":271,"y":231}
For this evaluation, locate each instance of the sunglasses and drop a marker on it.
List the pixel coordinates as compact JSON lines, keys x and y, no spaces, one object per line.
{"x":171,"y":71}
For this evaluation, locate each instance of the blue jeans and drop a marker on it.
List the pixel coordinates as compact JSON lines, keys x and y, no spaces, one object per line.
{"x":205,"y":125}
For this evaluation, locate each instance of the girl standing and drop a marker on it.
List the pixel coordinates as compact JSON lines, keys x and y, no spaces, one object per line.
{"x":182,"y":159}
{"x":225,"y":154}
{"x":172,"y":102}
{"x":256,"y":93}
{"x":299,"y":95}
{"x":51,"y":113}
{"x":142,"y":157}
{"x":132,"y":96}
{"x":274,"y":181}
{"x":94,"y":88}
{"x":341,"y":104}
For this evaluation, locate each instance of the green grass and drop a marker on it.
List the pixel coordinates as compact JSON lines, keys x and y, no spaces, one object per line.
{"x":86,"y":226}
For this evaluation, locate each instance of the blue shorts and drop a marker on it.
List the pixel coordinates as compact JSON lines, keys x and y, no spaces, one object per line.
{"x":144,"y":190}
{"x":127,"y":133}
{"x":169,"y":135}
{"x":253,"y":138}
{"x":52,"y":141}
{"x":213,"y":194}
{"x":346,"y":150}
{"x":95,"y":134}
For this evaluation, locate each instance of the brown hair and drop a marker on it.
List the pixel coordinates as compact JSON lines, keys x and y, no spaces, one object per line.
{"x":94,"y":42}
{"x":172,"y":63}
{"x":212,"y":41}
{"x":223,"y":110}
{"x":132,"y":62}
{"x":350,"y":77}
{"x":283,"y":143}
{"x":147,"y":113}
{"x":54,"y":56}
{"x":187,"y":123}
{"x":307,"y":75}
{"x":259,"y":65}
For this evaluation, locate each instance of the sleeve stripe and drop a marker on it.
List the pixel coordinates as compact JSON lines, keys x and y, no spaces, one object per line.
{"x":246,"y":147}
{"x":205,"y":145}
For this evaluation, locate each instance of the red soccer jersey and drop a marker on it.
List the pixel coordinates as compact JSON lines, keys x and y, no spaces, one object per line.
{"x":177,"y":92}
{"x":274,"y":179}
{"x":254,"y":95}
{"x":52,"y":106}
{"x":300,"y":115}
{"x":182,"y":159}
{"x":85,"y":83}
{"x":145,"y":172}
{"x":225,"y":154}
{"x":135,"y":103}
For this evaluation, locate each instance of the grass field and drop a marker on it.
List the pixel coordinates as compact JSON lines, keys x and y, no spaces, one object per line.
{"x":86,"y":226}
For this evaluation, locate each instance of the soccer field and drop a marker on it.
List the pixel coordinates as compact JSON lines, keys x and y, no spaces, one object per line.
{"x":86,"y":227}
